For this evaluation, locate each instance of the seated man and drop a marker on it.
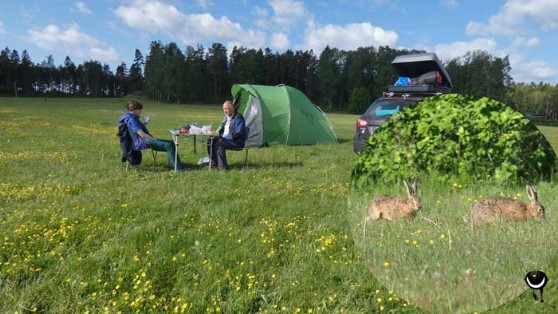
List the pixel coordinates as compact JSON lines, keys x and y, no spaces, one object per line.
{"x":232,"y":134}
{"x":142,"y":139}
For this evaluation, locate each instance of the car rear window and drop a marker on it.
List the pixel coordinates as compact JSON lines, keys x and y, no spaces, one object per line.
{"x":386,"y":107}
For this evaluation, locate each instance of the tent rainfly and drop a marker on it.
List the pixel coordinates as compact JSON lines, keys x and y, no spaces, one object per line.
{"x":281,"y":115}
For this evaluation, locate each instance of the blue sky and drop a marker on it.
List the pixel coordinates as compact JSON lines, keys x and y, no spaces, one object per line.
{"x":110,"y":30}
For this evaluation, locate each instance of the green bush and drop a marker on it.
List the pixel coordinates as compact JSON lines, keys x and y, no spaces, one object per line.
{"x":460,"y":136}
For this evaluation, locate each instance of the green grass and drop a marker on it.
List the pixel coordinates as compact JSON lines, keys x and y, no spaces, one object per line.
{"x":80,"y":234}
{"x":466,"y":269}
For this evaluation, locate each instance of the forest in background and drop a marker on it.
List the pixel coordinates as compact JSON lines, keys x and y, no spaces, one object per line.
{"x":335,"y":80}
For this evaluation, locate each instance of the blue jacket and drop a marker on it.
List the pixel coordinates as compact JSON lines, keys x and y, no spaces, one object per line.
{"x":237,"y":129}
{"x":134,"y":125}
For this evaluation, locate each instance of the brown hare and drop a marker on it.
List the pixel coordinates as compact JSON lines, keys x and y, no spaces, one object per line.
{"x":393,"y":207}
{"x":494,"y":209}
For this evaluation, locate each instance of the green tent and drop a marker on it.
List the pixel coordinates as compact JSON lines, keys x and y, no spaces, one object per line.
{"x":281,"y":115}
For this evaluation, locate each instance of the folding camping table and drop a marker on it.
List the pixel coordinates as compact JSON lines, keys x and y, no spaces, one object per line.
{"x":176,"y":135}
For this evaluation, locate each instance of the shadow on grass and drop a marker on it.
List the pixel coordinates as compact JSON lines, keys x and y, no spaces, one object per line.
{"x":265,"y":165}
{"x":343,"y":141}
{"x":232,"y":166}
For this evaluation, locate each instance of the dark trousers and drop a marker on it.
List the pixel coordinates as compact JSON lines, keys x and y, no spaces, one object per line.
{"x":218,"y":151}
{"x":165,"y":146}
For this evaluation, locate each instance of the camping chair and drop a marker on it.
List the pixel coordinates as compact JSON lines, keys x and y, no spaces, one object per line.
{"x":153,"y":153}
{"x":131,"y":157}
{"x":245,"y":148}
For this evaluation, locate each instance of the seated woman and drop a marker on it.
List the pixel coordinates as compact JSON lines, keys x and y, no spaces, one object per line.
{"x":232,"y":135}
{"x":142,"y":139}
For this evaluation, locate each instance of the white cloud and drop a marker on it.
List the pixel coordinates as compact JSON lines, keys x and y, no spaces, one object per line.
{"x":204,"y":4}
{"x":72,"y":40}
{"x":460,"y":48}
{"x":536,"y":71}
{"x":287,"y":12}
{"x":284,"y":16}
{"x":452,"y":4}
{"x":348,"y":37}
{"x":29,"y":13}
{"x":205,"y":27}
{"x":151,"y":16}
{"x":526,"y":42}
{"x":260,"y":15}
{"x":514,"y":14}
{"x":280,"y":41}
{"x":158,"y":17}
{"x":543,"y":11}
{"x":520,"y":20}
{"x":2,"y":29}
{"x":521,"y":71}
{"x":81,"y":7}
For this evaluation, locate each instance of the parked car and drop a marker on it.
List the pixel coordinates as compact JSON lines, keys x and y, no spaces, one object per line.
{"x":420,"y":75}
{"x":380,"y":110}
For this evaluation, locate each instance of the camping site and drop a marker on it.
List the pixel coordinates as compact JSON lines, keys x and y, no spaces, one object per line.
{"x":80,"y":234}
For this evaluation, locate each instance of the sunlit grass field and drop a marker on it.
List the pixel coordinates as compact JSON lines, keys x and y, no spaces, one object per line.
{"x":79,"y":234}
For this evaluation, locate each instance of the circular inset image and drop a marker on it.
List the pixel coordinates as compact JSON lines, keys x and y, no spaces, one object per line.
{"x":452,"y":203}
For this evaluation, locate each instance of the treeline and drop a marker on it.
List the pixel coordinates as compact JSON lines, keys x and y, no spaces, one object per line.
{"x":335,"y":79}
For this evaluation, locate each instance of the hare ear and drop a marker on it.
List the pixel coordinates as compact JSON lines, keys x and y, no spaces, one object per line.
{"x":415,"y":186}
{"x":532,"y":193}
{"x":408,"y":187}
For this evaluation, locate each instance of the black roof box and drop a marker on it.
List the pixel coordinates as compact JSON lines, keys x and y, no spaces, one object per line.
{"x":415,"y":65}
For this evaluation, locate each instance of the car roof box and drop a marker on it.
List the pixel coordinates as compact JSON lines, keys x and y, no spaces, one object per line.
{"x":415,"y":65}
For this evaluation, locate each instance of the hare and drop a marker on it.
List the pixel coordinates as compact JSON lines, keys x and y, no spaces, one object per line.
{"x":394,"y":207}
{"x":494,"y":209}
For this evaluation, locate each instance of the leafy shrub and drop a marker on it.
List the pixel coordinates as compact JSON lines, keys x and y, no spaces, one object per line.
{"x":456,"y":135}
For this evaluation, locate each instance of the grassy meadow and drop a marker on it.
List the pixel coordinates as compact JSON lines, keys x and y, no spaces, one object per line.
{"x":466,"y":269}
{"x":79,"y":234}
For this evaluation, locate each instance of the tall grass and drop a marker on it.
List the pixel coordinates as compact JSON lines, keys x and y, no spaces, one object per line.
{"x":80,"y":234}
